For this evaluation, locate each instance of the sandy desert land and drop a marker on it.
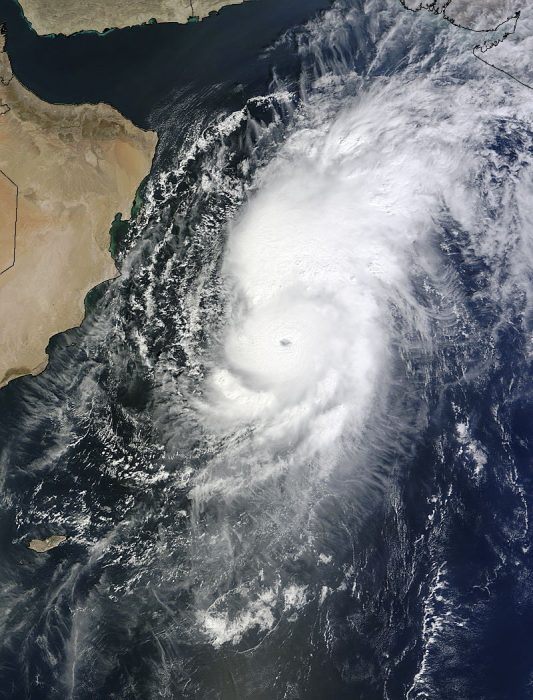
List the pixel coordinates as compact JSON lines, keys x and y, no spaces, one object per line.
{"x":75,"y":168}
{"x":70,"y":16}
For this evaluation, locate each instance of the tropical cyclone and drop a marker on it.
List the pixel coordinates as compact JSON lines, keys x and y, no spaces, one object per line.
{"x":72,"y":168}
{"x":70,"y":16}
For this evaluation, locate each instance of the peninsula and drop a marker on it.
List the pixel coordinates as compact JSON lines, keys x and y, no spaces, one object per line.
{"x":475,"y":15}
{"x":71,"y":16}
{"x":66,"y":171}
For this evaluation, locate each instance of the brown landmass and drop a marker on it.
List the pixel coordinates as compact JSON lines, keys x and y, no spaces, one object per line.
{"x":46,"y":544}
{"x":8,"y":222}
{"x":75,"y":167}
{"x":70,"y":16}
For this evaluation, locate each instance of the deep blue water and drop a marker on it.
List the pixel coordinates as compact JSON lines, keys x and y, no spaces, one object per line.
{"x":138,"y":70}
{"x":429,"y":586}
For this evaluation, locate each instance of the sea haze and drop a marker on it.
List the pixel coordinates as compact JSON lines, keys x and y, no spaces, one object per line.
{"x":289,"y":446}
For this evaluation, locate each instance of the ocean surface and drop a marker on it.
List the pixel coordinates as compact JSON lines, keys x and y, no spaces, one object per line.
{"x":290,"y":445}
{"x":142,"y":70}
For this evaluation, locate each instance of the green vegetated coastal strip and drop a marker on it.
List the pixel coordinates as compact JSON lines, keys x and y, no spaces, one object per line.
{"x":117,"y":236}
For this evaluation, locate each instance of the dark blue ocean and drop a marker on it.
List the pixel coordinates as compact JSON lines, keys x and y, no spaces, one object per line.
{"x":290,"y":446}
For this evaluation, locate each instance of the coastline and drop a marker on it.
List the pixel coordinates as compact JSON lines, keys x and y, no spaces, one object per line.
{"x":93,"y":17}
{"x":73,"y":52}
{"x":119,"y":227}
{"x":74,"y":166}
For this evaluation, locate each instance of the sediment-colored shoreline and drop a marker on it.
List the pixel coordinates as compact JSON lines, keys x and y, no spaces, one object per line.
{"x":75,"y":168}
{"x":72,"y":16}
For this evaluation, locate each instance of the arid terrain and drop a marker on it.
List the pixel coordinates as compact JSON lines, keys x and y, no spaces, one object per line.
{"x":75,"y":167}
{"x":70,"y":16}
{"x":8,"y":221}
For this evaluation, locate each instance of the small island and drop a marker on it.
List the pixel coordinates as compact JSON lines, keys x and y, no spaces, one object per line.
{"x":46,"y":544}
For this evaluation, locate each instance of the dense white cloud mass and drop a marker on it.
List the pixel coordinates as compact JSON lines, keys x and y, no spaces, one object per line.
{"x":514,"y":54}
{"x":478,"y":15}
{"x":318,"y":281}
{"x":322,"y":248}
{"x":320,"y":272}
